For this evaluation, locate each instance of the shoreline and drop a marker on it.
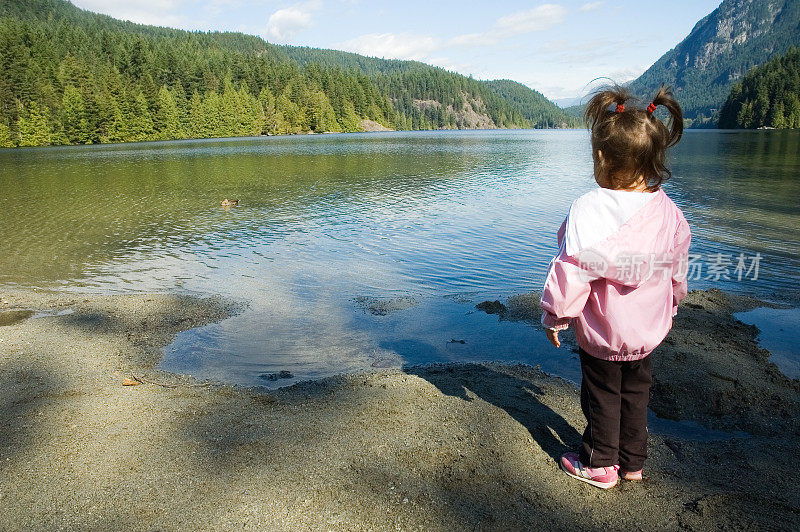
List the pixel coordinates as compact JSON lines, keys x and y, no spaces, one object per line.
{"x":439,"y":446}
{"x":329,"y":133}
{"x":300,"y":134}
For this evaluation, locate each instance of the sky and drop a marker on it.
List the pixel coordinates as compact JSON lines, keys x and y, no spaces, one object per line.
{"x":555,"y":47}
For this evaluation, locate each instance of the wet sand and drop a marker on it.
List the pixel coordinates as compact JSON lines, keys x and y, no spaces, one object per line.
{"x":439,"y":447}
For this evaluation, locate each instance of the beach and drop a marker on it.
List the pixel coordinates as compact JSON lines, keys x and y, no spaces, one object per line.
{"x":439,"y":447}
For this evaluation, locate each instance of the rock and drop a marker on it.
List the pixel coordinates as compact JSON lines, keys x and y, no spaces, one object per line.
{"x":371,"y":125}
{"x":491,"y":307}
{"x":283,"y":374}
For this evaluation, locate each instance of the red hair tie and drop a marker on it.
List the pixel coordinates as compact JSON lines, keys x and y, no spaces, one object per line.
{"x":651,"y":108}
{"x":620,"y":107}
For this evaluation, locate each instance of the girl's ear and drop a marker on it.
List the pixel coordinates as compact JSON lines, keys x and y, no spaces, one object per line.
{"x":600,"y":155}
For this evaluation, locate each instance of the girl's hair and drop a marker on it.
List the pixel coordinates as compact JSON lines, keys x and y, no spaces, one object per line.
{"x":633,"y":141}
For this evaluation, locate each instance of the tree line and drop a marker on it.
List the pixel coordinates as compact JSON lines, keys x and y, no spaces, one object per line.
{"x":767,"y":96}
{"x":65,"y":84}
{"x":72,"y":77}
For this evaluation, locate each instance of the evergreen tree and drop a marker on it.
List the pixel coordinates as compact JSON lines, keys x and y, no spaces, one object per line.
{"x":766,"y":96}
{"x":745,"y":117}
{"x":182,"y":104}
{"x":74,"y":121}
{"x":229,"y":110}
{"x":349,"y":121}
{"x":96,"y":79}
{"x":113,"y":127}
{"x":199,"y":126}
{"x":777,"y":117}
{"x":33,"y":125}
{"x":6,"y":139}
{"x":215,"y":123}
{"x":290,"y":118}
{"x":267,"y":102}
{"x":248,"y":114}
{"x":322,"y":117}
{"x":793,"y":111}
{"x":139,"y":125}
{"x":167,"y":119}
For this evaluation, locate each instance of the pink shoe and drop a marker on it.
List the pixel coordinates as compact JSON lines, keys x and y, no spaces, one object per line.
{"x":602,"y":477}
{"x":631,"y":475}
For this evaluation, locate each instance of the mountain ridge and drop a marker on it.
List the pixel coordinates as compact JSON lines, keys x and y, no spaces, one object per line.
{"x":721,"y":48}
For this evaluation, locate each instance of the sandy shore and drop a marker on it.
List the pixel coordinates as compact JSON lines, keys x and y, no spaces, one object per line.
{"x":438,"y":447}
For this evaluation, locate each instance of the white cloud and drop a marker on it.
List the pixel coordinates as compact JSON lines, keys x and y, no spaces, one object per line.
{"x":552,"y":92}
{"x":392,"y":45}
{"x":217,"y":7}
{"x":520,"y":22}
{"x":589,"y":6}
{"x":627,"y":74}
{"x":472,"y":39}
{"x":582,"y":52}
{"x":285,"y":23}
{"x":419,"y":47}
{"x":530,"y":20}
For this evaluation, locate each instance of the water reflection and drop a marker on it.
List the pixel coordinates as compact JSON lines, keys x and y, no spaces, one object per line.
{"x":324,"y":220}
{"x":777,"y":334}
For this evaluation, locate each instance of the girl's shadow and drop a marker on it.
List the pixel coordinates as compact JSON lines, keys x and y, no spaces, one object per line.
{"x":517,"y":396}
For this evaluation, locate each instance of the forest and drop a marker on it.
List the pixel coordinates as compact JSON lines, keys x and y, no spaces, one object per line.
{"x":722,"y":47}
{"x":767,"y":96}
{"x":70,"y":76}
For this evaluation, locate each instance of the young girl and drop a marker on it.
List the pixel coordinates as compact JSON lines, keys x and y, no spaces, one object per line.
{"x":619,"y":275}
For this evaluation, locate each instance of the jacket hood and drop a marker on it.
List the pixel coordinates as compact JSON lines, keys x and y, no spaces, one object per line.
{"x":627,"y":248}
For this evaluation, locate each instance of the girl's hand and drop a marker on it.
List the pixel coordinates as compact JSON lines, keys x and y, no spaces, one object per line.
{"x":553,"y":337}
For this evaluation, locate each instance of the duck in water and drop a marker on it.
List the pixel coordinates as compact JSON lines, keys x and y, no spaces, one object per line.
{"x":229,"y":203}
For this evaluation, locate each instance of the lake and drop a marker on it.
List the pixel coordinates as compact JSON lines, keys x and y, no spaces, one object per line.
{"x":370,"y":250}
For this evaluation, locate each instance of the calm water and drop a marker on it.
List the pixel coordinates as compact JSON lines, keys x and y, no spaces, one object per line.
{"x":367,"y":250}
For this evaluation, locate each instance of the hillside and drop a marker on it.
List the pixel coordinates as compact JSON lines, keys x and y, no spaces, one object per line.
{"x":576,"y":111}
{"x":72,"y":76}
{"x":534,"y":106}
{"x":768,"y":96}
{"x":722,"y":47}
{"x":537,"y":109}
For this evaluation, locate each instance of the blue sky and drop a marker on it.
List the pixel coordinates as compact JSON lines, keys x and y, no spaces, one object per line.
{"x":556,"y":47}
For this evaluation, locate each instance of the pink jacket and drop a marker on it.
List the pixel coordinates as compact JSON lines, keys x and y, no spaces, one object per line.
{"x":620,"y":272}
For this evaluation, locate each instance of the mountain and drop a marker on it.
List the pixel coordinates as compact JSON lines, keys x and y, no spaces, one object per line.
{"x":721,"y":48}
{"x":537,"y":109}
{"x":576,"y":111}
{"x":768,"y":96}
{"x":73,"y":76}
{"x":567,"y":102}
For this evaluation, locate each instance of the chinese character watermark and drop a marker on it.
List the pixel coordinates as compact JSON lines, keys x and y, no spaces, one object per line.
{"x":725,"y":267}
{"x":630,"y":268}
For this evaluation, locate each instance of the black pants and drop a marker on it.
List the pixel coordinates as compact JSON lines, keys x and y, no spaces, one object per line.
{"x":614,"y":397}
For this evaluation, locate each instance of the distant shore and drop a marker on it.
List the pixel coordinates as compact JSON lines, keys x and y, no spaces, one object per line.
{"x":438,"y":447}
{"x":370,"y":126}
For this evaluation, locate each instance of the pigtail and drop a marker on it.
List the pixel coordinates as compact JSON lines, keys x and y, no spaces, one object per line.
{"x":665,"y":97}
{"x":629,"y":145}
{"x":597,"y":110}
